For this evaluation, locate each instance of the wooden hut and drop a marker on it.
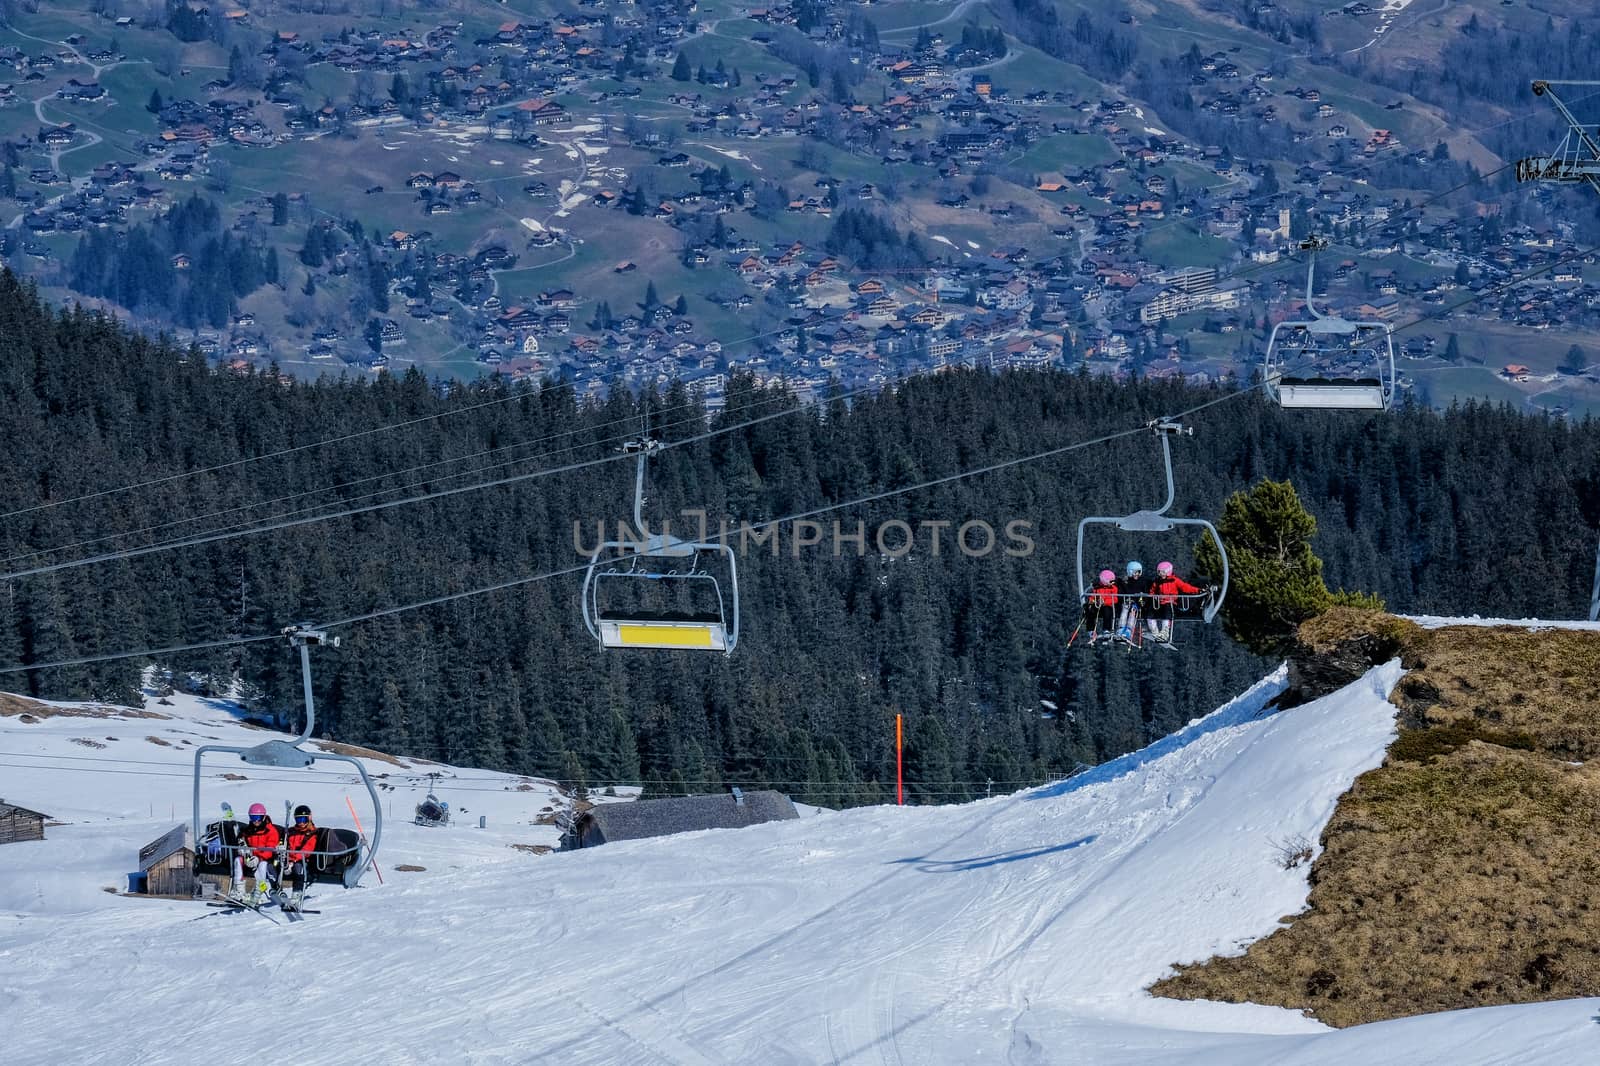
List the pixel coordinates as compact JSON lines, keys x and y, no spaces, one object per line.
{"x":654,"y":818}
{"x":168,"y":866}
{"x":19,"y":823}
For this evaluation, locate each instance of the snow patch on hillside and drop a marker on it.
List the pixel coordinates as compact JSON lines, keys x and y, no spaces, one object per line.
{"x":1533,"y":625}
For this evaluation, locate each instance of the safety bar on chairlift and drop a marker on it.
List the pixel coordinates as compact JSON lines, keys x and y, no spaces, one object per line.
{"x":289,"y":754}
{"x":656,"y":546}
{"x":1158,"y":521}
{"x":1332,"y":325}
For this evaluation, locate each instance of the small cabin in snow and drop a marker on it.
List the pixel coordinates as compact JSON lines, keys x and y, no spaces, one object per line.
{"x":18,"y":824}
{"x":683,"y":814}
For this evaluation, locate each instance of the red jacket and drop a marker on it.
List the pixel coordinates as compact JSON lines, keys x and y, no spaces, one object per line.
{"x":1104,"y":595}
{"x":1165,"y":590}
{"x":263,"y":841}
{"x":302,"y":841}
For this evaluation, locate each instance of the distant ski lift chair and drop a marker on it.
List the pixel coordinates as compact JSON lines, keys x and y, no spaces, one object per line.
{"x":339,"y":855}
{"x":1158,"y":521}
{"x":1327,"y":362}
{"x":433,"y":811}
{"x":672,"y":565}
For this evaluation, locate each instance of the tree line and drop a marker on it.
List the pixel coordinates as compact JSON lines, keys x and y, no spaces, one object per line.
{"x":1477,"y":509}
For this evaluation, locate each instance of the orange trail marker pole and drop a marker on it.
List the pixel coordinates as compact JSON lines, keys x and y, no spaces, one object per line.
{"x":899,"y":764}
{"x":363,"y":832}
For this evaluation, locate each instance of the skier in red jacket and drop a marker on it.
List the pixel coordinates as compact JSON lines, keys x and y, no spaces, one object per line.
{"x":252,"y":862}
{"x":1163,"y":595}
{"x":1100,"y":607}
{"x":300,"y":844}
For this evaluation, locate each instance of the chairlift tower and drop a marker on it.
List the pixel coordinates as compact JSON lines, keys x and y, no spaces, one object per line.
{"x":1576,"y":159}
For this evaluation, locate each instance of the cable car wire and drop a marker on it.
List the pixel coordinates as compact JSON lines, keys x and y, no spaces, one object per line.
{"x":786,"y":519}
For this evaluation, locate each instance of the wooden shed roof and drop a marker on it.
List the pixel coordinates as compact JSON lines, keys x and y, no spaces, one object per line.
{"x":654,"y":818}
{"x":12,"y":808}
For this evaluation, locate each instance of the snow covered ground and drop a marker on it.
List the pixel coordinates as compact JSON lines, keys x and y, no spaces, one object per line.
{"x":1020,"y":929}
{"x":1433,"y":621}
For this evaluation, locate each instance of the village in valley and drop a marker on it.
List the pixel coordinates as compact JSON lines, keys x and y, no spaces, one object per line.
{"x":819,"y":192}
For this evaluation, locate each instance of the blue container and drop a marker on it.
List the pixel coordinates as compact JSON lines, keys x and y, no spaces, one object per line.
{"x":139,"y":882}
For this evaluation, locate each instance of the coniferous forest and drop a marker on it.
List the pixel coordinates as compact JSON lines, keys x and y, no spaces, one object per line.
{"x":1477,"y":509}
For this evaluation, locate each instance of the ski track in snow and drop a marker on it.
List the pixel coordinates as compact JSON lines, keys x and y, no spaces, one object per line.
{"x":1022,"y":928}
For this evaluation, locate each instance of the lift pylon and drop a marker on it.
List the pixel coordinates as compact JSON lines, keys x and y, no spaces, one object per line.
{"x":1577,"y":157}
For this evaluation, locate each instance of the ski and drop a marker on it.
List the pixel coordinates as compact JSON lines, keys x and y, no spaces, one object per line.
{"x":237,"y":905}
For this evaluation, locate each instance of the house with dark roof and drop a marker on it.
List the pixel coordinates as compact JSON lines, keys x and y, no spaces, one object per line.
{"x":19,"y":823}
{"x":611,"y":822}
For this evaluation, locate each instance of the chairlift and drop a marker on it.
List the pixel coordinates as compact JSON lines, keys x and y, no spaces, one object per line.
{"x":1327,"y":362}
{"x":670,"y":598}
{"x":1187,"y":605}
{"x":433,"y":811}
{"x":341,"y":856}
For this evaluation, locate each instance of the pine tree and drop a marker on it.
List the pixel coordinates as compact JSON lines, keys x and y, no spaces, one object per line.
{"x":680,"y":68}
{"x":1275,"y":579}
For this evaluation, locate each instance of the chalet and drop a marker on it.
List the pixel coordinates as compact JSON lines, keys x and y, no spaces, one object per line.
{"x":558,"y":298}
{"x":166,"y":866}
{"x":542,"y":111}
{"x":1515,"y":372}
{"x":18,"y":824}
{"x":77,"y":90}
{"x":869,"y":287}
{"x":653,"y":818}
{"x":390,"y":332}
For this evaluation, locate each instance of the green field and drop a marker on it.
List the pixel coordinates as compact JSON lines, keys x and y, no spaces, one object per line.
{"x":1067,"y":152}
{"x":1181,"y":245}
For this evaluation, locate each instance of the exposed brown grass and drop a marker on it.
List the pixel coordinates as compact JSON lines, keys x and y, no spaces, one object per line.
{"x":408,"y":868}
{"x":1464,"y":871}
{"x":31,"y":710}
{"x":336,"y":748}
{"x":534,"y":849}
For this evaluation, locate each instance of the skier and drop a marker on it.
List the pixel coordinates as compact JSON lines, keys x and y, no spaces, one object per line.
{"x":252,"y":863}
{"x":300,"y":844}
{"x":1134,"y":588}
{"x":1163,"y":596}
{"x":1099,"y":608}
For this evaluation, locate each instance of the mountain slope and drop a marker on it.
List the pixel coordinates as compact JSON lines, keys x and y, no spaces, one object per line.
{"x":1023,"y":927}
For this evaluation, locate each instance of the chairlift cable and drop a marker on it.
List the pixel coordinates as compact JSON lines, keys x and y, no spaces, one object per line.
{"x":245,"y":523}
{"x":990,"y":468}
{"x":129,"y":553}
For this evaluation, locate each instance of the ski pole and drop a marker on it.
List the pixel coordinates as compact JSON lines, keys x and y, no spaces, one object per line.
{"x":363,"y":832}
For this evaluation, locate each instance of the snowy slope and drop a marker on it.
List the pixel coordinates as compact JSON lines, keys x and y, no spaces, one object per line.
{"x":1433,"y":621}
{"x":1021,"y":929}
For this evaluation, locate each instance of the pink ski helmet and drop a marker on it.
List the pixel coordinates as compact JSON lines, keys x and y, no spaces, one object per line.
{"x":1164,"y":569}
{"x":258,"y":809}
{"x":1107,"y":577}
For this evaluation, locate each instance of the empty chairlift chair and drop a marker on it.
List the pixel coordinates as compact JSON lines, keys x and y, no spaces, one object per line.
{"x":1327,"y":362}
{"x":659,"y":591}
